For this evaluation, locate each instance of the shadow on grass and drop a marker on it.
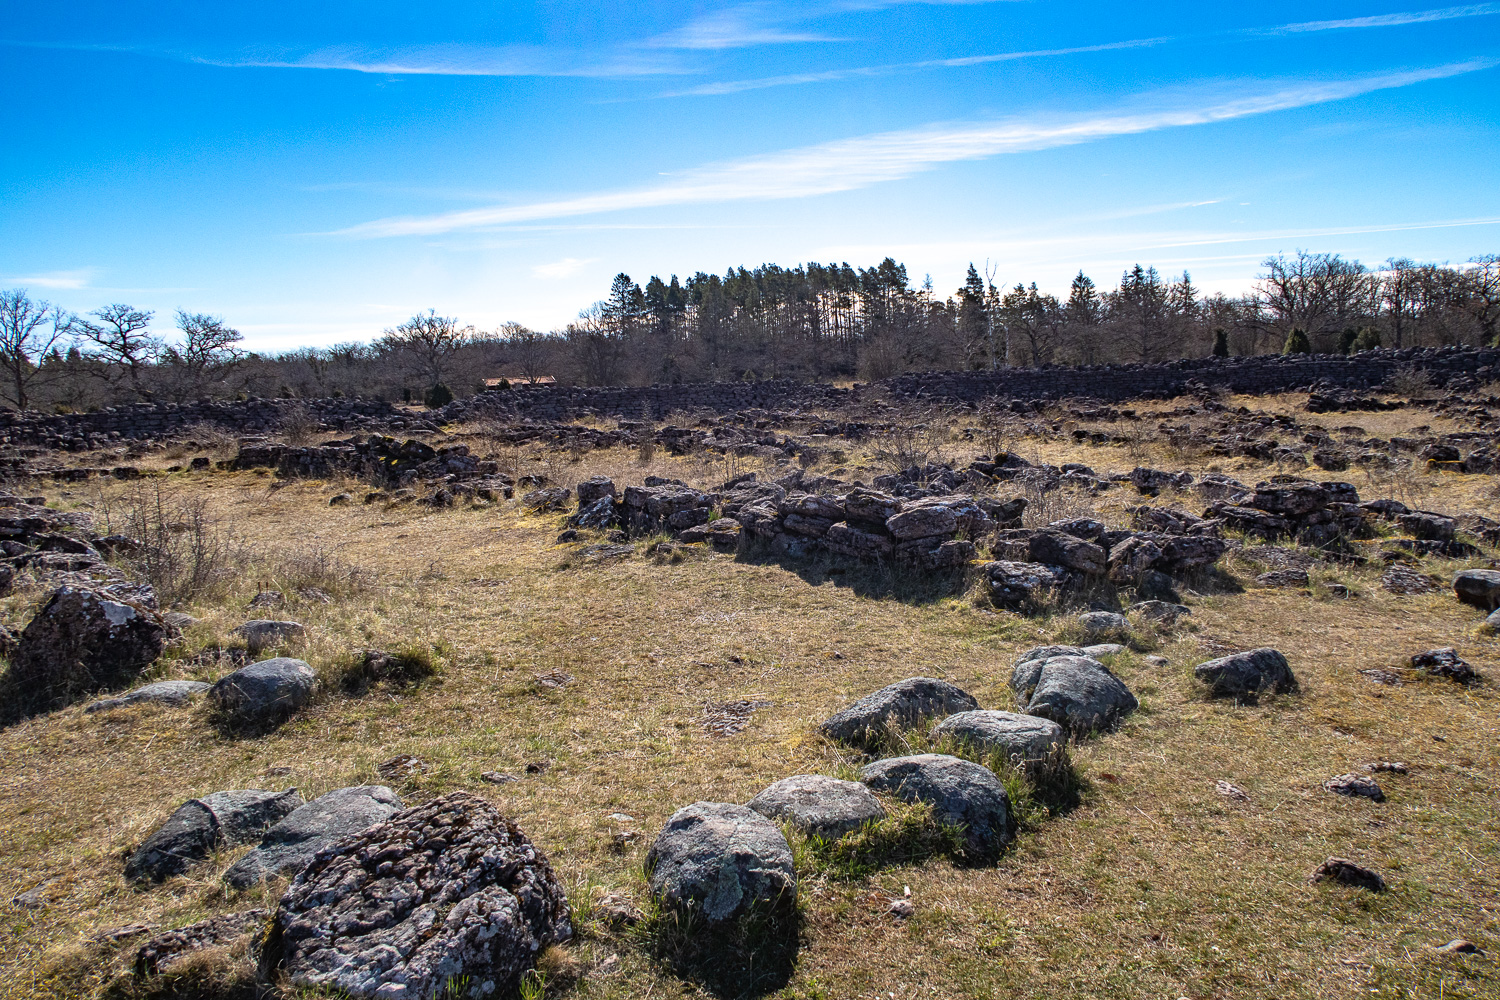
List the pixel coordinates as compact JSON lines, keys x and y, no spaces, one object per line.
{"x":875,"y":581}
{"x":745,"y":958}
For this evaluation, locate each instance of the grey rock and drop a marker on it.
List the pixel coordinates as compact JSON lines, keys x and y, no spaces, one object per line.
{"x":1479,"y":587}
{"x":1103,"y":649}
{"x":1427,"y":526}
{"x":1283,"y":578}
{"x":1131,"y":557}
{"x":592,"y":490}
{"x":1103,"y":624}
{"x":1247,"y":675}
{"x":173,"y":693}
{"x":1493,"y":621}
{"x":1080,"y":694}
{"x":721,"y":860}
{"x":448,"y":892}
{"x":1358,"y":786}
{"x":1029,"y":742}
{"x":1162,"y":612}
{"x":1027,"y":668}
{"x":1022,"y":586}
{"x":81,"y":641}
{"x":1447,"y":663}
{"x":1057,"y":548}
{"x":264,"y":692}
{"x":819,"y":805}
{"x":845,"y":539}
{"x":922,"y":522}
{"x":170,"y":947}
{"x":870,"y":506}
{"x":902,"y":705}
{"x":264,"y":633}
{"x":960,"y":792}
{"x":1346,"y":872}
{"x":288,"y":846}
{"x":199,"y":826}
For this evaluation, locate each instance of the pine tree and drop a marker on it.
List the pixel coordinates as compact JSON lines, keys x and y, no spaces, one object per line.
{"x":1368,"y":340}
{"x":1297,"y":342}
{"x":1221,"y":343}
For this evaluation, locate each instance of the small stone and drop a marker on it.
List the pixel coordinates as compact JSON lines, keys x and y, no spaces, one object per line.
{"x":554,"y":679}
{"x":1346,"y":872}
{"x":173,"y":693}
{"x":1381,"y":676}
{"x":903,"y":705}
{"x":1402,"y":579}
{"x":1355,"y":786}
{"x":1102,"y":624}
{"x":1387,"y":767}
{"x":263,"y":693}
{"x":262,"y":633}
{"x":819,"y":805}
{"x":1459,"y":946}
{"x":1445,"y":662}
{"x":1157,"y":661}
{"x":1034,"y":744}
{"x":167,"y":949}
{"x":341,"y":499}
{"x":123,"y":933}
{"x":1102,"y":649}
{"x":901,"y":909}
{"x":498,"y":777}
{"x":403,"y":766}
{"x":1283,"y":578}
{"x":1247,"y":675}
{"x":1231,"y":791}
{"x":616,"y":910}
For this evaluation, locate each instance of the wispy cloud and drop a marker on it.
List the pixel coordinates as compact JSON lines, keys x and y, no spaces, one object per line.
{"x":467,"y":60}
{"x":860,"y":162}
{"x":741,"y":27}
{"x":890,"y":69}
{"x":565,"y":268}
{"x":67,"y":280}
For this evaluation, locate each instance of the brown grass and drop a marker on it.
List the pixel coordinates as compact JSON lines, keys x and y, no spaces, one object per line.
{"x":1153,"y":886}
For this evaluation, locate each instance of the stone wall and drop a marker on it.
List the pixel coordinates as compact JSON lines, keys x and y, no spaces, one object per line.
{"x":1254,"y":375}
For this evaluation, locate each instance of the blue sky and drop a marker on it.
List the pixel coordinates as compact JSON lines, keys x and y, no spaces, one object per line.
{"x":317,"y":172}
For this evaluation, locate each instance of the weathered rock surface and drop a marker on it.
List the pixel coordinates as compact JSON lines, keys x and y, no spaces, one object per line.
{"x":288,"y":846}
{"x":264,"y":633}
{"x":448,"y":893}
{"x":1346,"y":872}
{"x":1247,"y":675}
{"x":1027,"y":669}
{"x":168,"y":948}
{"x":960,"y":792}
{"x":1080,"y":694}
{"x":263,"y":692}
{"x":819,"y":805}
{"x":721,"y":860}
{"x":1479,"y":587}
{"x":1023,"y":586}
{"x":1357,"y":786}
{"x":84,"y":640}
{"x":902,"y":705}
{"x":1447,"y":663}
{"x":199,"y":826}
{"x":1029,"y":742}
{"x":161,"y":693}
{"x":1103,"y":624}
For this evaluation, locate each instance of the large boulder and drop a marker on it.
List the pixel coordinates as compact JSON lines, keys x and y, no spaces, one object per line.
{"x":722,"y":861}
{"x":1022,"y":586}
{"x":903,"y":705}
{"x":200,"y":826}
{"x":1080,"y":694}
{"x":264,"y":633}
{"x":1479,"y":587}
{"x":1058,"y":548}
{"x":287,"y":847}
{"x":961,"y":794}
{"x":84,"y":640}
{"x":1029,"y":742}
{"x":818,"y":805}
{"x":1247,"y":675}
{"x":922,"y":522}
{"x":444,"y":899}
{"x":174,"y":693}
{"x":264,"y":692}
{"x":1027,"y":668}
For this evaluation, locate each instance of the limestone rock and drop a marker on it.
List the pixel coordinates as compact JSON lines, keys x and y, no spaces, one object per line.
{"x":1022,"y":586}
{"x":288,"y":846}
{"x":1057,"y":548}
{"x":922,"y":522}
{"x":264,"y":633}
{"x":1346,"y":872}
{"x":1103,"y":624}
{"x":264,"y":692}
{"x":1479,"y":587}
{"x":960,"y":792}
{"x":1247,"y":675}
{"x":1027,"y":668}
{"x":446,"y":893}
{"x":722,"y":860}
{"x":170,"y":947}
{"x":162,"y":693}
{"x":819,"y":805}
{"x":1080,"y":694}
{"x":592,"y":490}
{"x":1447,"y":663}
{"x":1357,"y":786}
{"x":1029,"y":742}
{"x":82,"y":640}
{"x":902,"y":705}
{"x":199,"y":826}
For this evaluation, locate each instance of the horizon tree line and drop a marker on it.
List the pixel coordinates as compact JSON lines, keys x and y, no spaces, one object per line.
{"x":812,"y":321}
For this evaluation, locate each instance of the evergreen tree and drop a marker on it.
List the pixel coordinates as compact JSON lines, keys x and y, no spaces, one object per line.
{"x":1368,"y":340}
{"x":1221,"y":343}
{"x":1297,"y":342}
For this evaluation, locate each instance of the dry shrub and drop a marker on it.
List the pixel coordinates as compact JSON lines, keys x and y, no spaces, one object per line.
{"x":1410,"y":382}
{"x":298,"y":426}
{"x":312,"y":566}
{"x":646,"y":451}
{"x":182,"y":549}
{"x":1043,"y":505}
{"x":916,"y":438}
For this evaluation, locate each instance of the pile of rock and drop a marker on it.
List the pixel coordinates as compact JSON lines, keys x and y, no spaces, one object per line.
{"x":379,"y":457}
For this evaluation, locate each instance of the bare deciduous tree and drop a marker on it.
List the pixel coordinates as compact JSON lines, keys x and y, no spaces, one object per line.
{"x":29,"y":332}
{"x":120,"y":337}
{"x":427,"y":344}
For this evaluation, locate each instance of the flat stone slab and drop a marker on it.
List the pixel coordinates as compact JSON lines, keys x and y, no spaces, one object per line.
{"x":1247,"y":675}
{"x":264,"y":633}
{"x":448,"y":892}
{"x":961,"y":793}
{"x":199,"y":826}
{"x":903,"y":705}
{"x":1479,"y":587}
{"x":1358,"y":786}
{"x":1081,"y":695}
{"x":288,"y":846}
{"x":1030,"y":742}
{"x":1101,"y":624}
{"x":723,"y":860}
{"x":170,"y":947}
{"x":174,"y":693}
{"x":818,"y":805}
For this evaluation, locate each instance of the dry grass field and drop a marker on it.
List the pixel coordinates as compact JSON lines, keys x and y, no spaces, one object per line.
{"x":1153,"y":886}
